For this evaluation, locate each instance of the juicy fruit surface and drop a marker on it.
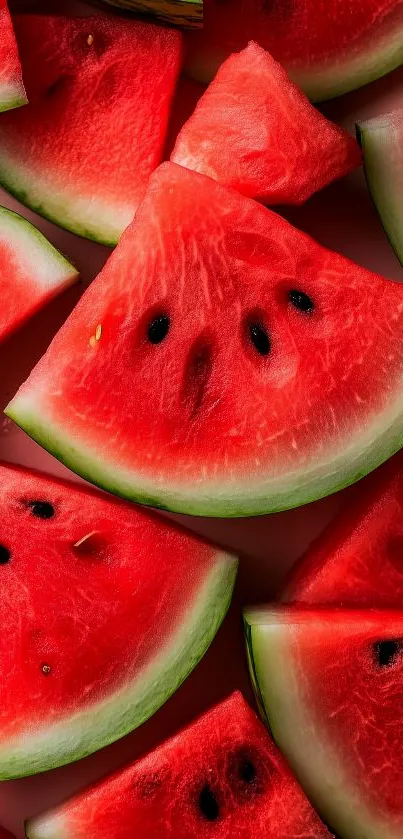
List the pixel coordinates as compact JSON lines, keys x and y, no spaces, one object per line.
{"x":32,"y":271}
{"x":187,"y":94}
{"x":99,"y":92}
{"x":12,"y":93}
{"x":382,"y":142}
{"x":227,"y":338}
{"x":212,"y":780}
{"x":110,"y":591}
{"x":327,"y":48}
{"x":358,"y":560}
{"x":255,"y":131}
{"x":331,"y":685}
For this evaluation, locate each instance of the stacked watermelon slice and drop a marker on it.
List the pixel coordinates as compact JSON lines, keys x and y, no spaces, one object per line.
{"x":223,"y":364}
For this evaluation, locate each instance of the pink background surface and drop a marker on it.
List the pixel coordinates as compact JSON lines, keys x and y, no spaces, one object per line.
{"x":342,"y":218}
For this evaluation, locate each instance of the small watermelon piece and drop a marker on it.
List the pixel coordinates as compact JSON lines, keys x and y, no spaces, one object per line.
{"x":99,"y":91}
{"x":328,"y":48}
{"x":32,"y":271}
{"x":255,"y":131}
{"x":12,"y":91}
{"x":358,"y":560}
{"x":381,"y":139}
{"x":214,"y":779}
{"x":331,"y":685}
{"x":240,"y":365}
{"x":115,"y":608}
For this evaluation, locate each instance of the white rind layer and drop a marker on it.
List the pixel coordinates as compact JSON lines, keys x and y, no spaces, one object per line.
{"x":47,"y":268}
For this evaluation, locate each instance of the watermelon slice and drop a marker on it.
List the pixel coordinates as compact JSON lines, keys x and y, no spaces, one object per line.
{"x":254,"y":130}
{"x":187,"y":94}
{"x":113,"y":613}
{"x":216,"y":365}
{"x":358,"y":561}
{"x":331,"y":684}
{"x":381,"y":139}
{"x":32,"y":271}
{"x":214,"y":780}
{"x":100,"y":90}
{"x":12,"y":92}
{"x":328,"y":48}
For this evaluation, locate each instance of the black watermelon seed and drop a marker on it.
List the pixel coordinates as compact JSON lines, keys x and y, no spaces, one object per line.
{"x":158,"y":329}
{"x":5,"y":555}
{"x":208,"y":804}
{"x":260,"y":338}
{"x":301,"y":301}
{"x":386,"y":652}
{"x":247,"y":771}
{"x":41,"y":509}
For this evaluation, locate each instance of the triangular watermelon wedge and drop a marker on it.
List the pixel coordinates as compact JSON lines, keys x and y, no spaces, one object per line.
{"x":222,"y":363}
{"x":99,"y":91}
{"x":254,"y":130}
{"x":220,"y":778}
{"x":331,"y":685}
{"x":358,"y":560}
{"x":12,"y":91}
{"x":32,"y":271}
{"x":111,"y":609}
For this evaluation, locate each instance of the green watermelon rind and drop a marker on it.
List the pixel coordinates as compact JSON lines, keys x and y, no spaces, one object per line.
{"x":7,"y":104}
{"x":292,"y":728}
{"x":373,"y":138}
{"x":377,"y":442}
{"x":100,"y":724}
{"x":186,"y":14}
{"x":61,"y":212}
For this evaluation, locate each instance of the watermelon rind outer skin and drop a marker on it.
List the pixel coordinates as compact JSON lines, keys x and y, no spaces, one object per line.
{"x":380,"y":142}
{"x":314,"y":761}
{"x":13,"y":222}
{"x":12,"y":96}
{"x":187,"y":14}
{"x":100,"y":724}
{"x":250,"y":496}
{"x":105,"y":224}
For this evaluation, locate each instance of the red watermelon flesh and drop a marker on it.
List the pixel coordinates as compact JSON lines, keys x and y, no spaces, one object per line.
{"x":100,"y":91}
{"x":112,"y":608}
{"x":358,"y":560}
{"x":240,"y":367}
{"x":255,"y":131}
{"x":12,"y":92}
{"x":32,"y":271}
{"x":221,"y":778}
{"x":328,"y":48}
{"x":331,"y":685}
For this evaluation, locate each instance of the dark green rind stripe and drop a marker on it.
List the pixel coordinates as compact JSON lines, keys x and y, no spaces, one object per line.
{"x":253,"y":673}
{"x":186,"y":14}
{"x":80,"y":230}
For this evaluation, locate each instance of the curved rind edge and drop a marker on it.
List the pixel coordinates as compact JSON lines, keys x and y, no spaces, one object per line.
{"x":365,"y":139}
{"x":136,"y":702}
{"x":354,"y":466}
